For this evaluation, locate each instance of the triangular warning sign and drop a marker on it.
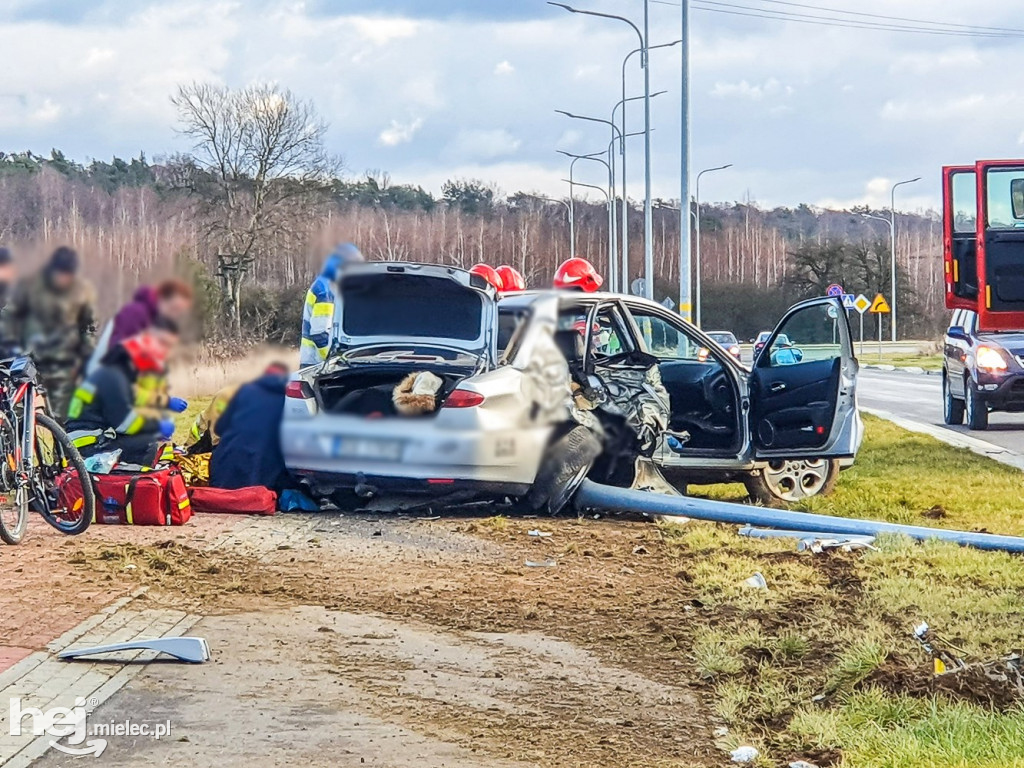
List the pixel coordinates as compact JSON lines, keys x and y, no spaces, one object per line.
{"x":880,"y":306}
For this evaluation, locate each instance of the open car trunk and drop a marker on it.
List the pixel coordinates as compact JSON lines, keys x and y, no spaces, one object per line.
{"x":369,"y":390}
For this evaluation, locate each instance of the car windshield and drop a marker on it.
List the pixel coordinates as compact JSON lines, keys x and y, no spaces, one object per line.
{"x":763,"y":336}
{"x":725,"y":339}
{"x":411,"y":306}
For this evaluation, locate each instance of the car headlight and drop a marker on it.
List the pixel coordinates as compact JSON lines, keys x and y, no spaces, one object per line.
{"x":990,"y":359}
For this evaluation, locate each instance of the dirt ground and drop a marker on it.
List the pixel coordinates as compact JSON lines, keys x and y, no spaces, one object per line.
{"x":436,"y":635}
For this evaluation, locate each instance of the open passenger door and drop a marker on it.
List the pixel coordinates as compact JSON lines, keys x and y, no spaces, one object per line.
{"x":803,"y":386}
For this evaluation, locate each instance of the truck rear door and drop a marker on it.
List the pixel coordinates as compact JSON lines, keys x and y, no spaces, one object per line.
{"x":959,"y":238}
{"x":1000,"y":244}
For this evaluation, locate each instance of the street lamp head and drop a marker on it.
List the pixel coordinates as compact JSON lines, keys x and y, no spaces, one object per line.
{"x":569,"y":8}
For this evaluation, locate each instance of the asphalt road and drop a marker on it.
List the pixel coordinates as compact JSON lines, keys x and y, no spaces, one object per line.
{"x":919,"y":398}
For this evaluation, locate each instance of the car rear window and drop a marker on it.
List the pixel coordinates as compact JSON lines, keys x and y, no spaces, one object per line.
{"x":410,"y":306}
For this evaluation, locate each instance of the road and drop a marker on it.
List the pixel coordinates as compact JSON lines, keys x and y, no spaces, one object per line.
{"x":919,"y":398}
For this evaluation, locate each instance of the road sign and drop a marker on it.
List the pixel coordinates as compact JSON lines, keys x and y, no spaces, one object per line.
{"x":638,"y":287}
{"x":880,"y":306}
{"x":834,"y":290}
{"x":862,"y":303}
{"x":832,"y":311}
{"x":848,"y":301}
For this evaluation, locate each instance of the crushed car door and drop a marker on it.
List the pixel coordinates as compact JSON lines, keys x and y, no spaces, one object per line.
{"x":803,"y":386}
{"x":629,"y":378}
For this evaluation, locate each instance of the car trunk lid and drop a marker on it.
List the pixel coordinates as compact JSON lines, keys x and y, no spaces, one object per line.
{"x":414,"y":310}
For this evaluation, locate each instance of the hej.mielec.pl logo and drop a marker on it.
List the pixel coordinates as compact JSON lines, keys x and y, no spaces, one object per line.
{"x":72,"y":724}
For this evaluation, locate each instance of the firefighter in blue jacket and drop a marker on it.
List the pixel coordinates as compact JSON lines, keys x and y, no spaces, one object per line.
{"x":318,"y":313}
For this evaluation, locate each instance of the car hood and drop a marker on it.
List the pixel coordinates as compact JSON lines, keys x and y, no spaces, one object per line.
{"x":1011,"y":342}
{"x":395,"y":305}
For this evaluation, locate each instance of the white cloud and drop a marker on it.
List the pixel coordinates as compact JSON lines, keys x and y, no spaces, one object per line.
{"x":482,"y":144}
{"x":504,"y":68}
{"x":751,"y":91}
{"x":47,"y":112}
{"x":399,"y":133}
{"x":381,"y":30}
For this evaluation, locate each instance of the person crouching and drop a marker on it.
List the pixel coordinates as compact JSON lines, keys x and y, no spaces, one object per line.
{"x":103,"y":415}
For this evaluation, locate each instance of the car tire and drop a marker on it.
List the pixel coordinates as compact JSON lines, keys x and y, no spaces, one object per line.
{"x":952,"y":407}
{"x":974,"y":407}
{"x":788,"y":482}
{"x":565,"y":464}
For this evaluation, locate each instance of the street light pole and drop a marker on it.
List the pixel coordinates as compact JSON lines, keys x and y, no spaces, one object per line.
{"x":611,"y":211}
{"x":624,"y":260}
{"x":572,"y":212}
{"x":568,"y":208}
{"x":612,"y":255}
{"x":684,"y":168}
{"x":648,"y":210}
{"x":892,"y":229}
{"x":696,"y":259}
{"x":648,"y":225}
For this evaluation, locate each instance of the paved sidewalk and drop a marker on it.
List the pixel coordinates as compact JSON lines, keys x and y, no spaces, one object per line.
{"x":43,"y":681}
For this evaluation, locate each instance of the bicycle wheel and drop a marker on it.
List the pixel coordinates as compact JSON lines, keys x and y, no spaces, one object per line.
{"x":59,"y":474}
{"x":13,"y":500}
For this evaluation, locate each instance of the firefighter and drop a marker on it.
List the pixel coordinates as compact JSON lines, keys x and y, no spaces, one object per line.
{"x":103,"y":416}
{"x":318,"y":312}
{"x":52,"y":316}
{"x":511,"y":278}
{"x":578,"y":275}
{"x":490,"y":274}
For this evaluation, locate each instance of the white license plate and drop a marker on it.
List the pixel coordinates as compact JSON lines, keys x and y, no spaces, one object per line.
{"x":366,"y":448}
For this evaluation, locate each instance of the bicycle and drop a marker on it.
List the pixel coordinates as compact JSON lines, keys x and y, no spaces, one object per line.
{"x":38,"y":459}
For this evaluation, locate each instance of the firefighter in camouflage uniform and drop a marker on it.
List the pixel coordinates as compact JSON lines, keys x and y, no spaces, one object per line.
{"x":52,"y":316}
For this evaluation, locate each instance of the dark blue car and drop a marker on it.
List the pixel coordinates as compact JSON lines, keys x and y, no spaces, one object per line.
{"x":982,"y":371}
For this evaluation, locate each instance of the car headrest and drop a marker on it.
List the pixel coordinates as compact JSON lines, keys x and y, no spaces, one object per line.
{"x":570,"y":343}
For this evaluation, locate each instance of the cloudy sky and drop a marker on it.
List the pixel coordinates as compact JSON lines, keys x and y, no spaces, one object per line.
{"x":431,"y":89}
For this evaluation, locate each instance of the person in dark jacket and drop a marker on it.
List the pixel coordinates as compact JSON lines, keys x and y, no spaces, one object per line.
{"x":103,"y":415}
{"x":249,"y":451}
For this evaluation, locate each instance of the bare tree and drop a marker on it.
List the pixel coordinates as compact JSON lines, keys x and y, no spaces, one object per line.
{"x":258,"y":165}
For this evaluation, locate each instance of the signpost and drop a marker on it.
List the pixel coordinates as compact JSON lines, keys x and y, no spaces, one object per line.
{"x":862,"y":304}
{"x":880,"y":307}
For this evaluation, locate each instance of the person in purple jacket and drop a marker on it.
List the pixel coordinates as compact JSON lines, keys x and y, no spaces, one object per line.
{"x":171,"y":299}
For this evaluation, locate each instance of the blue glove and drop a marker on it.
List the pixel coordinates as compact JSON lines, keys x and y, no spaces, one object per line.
{"x":177,"y":404}
{"x":166,"y":428}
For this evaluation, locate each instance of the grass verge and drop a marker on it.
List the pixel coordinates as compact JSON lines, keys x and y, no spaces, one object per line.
{"x":822,"y":665}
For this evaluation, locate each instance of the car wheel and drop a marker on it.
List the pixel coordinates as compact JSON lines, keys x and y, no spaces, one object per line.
{"x":563,"y":467}
{"x":975,"y":408}
{"x":786,"y":482}
{"x":952,"y":407}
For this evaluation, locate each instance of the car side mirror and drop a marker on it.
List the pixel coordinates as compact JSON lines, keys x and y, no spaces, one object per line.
{"x":957,"y":332}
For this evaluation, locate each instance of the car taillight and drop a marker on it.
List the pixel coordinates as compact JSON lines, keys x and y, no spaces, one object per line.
{"x":734,"y":350}
{"x":463,"y":398}
{"x":298,"y":389}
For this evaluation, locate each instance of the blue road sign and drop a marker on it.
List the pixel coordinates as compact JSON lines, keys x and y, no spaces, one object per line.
{"x":834,"y":290}
{"x":848,"y":299}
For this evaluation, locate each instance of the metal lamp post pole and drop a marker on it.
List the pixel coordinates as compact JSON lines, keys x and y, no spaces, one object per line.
{"x":611,"y":211}
{"x":568,"y":208}
{"x":696,"y":257}
{"x":572,"y":212}
{"x":624,"y":227}
{"x":684,"y":167}
{"x":648,"y":225}
{"x":612,"y":255}
{"x":892,"y":231}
